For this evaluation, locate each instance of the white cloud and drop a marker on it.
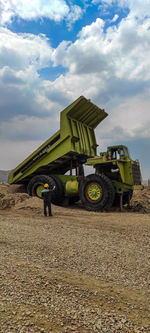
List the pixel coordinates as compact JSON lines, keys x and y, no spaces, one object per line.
{"x":117,"y":53}
{"x":56,"y":10}
{"x":106,"y":66}
{"x":14,"y":152}
{"x":74,"y":14}
{"x":137,"y":8}
{"x":130,"y":120}
{"x":19,"y":126}
{"x":20,"y":51}
{"x":84,"y":55}
{"x":30,"y":10}
{"x":21,"y":56}
{"x":115,"y":18}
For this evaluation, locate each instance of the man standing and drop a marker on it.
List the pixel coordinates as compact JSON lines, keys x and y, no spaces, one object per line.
{"x":47,"y":195}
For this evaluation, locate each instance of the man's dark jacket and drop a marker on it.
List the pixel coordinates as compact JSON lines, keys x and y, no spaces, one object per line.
{"x":47,"y":194}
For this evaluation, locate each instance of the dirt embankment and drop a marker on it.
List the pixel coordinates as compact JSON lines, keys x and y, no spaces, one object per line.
{"x":77,"y":271}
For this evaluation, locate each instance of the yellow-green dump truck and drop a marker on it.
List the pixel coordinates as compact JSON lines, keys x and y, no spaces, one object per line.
{"x":61,"y":158}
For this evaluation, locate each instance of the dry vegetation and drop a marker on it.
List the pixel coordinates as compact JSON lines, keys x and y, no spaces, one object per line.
{"x":77,"y":271}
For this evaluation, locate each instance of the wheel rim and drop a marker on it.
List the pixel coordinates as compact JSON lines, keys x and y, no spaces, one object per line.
{"x":94,"y":192}
{"x":39,"y":190}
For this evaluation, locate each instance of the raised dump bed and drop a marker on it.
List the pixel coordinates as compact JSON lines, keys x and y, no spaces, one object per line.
{"x":66,"y":150}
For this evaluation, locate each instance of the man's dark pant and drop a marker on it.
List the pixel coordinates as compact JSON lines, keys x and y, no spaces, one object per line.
{"x":47,"y":204}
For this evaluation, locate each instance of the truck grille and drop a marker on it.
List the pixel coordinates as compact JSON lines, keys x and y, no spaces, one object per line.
{"x":136,"y":174}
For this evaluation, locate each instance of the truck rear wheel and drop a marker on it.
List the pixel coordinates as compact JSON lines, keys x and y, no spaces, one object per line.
{"x":58,"y":193}
{"x":93,"y":192}
{"x":36,"y":185}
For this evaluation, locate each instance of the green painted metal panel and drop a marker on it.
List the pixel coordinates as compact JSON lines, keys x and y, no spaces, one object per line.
{"x":75,"y":137}
{"x":121,"y":187}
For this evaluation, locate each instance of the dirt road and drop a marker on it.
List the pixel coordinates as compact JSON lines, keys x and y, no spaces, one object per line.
{"x":77,"y":271}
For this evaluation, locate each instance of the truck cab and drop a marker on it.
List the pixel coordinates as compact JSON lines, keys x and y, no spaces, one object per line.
{"x":118,"y":166}
{"x":118,"y":153}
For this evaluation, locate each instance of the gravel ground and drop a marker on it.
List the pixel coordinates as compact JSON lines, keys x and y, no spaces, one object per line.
{"x":77,"y":271}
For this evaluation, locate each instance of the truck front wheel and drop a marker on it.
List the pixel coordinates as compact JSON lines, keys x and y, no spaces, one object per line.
{"x":111,"y":192}
{"x":93,"y":192}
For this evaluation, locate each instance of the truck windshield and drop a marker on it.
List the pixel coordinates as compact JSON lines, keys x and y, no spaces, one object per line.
{"x":118,"y":153}
{"x":122,"y":153}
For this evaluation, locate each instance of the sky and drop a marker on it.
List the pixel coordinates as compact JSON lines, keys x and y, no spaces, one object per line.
{"x":53,"y":51}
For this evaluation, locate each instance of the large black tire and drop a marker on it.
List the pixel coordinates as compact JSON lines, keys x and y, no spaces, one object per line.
{"x":58,"y":193}
{"x":111,"y":192}
{"x":93,"y":192}
{"x":36,"y":185}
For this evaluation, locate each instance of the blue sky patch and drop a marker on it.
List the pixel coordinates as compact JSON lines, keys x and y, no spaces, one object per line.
{"x":51,"y":73}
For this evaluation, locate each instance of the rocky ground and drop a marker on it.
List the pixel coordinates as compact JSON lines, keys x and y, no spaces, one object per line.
{"x":77,"y":271}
